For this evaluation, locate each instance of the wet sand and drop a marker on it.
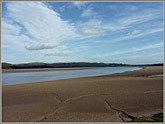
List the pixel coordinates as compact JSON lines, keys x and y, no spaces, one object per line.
{"x":110,"y":98}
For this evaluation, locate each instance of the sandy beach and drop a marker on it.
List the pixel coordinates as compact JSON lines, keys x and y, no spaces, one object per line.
{"x":110,"y":98}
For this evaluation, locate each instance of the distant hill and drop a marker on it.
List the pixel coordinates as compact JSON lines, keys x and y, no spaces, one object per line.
{"x":59,"y":65}
{"x":158,"y":64}
{"x":66,"y":65}
{"x":6,"y":64}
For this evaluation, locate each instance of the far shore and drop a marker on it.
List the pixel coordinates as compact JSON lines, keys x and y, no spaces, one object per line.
{"x":109,"y":98}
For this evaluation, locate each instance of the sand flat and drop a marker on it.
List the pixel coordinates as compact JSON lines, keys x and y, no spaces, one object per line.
{"x":110,"y":98}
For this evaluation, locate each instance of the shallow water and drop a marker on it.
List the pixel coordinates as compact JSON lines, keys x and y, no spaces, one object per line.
{"x":29,"y":77}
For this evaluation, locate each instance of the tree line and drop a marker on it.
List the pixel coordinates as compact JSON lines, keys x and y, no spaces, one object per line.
{"x":66,"y":65}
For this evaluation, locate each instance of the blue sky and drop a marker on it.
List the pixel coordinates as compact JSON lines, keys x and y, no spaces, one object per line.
{"x":110,"y":32}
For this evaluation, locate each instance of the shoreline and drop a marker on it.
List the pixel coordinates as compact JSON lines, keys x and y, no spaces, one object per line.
{"x":46,"y":69}
{"x":122,"y":74}
{"x":73,"y":77}
{"x":145,"y":71}
{"x":88,"y":99}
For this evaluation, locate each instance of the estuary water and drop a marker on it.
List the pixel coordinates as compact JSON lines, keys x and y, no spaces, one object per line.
{"x":29,"y":77}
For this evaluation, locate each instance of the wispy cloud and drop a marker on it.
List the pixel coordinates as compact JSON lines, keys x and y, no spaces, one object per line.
{"x":58,"y":54}
{"x":87,"y":30}
{"x":13,"y":42}
{"x":161,"y":49}
{"x":148,"y":32}
{"x":134,"y":32}
{"x":123,"y":23}
{"x":41,"y":46}
{"x":130,"y":21}
{"x":130,"y":50}
{"x":135,"y":19}
{"x":136,"y":35}
{"x":44,"y":24}
{"x":79,"y":4}
{"x":9,"y":28}
{"x":88,"y":12}
{"x":11,"y":36}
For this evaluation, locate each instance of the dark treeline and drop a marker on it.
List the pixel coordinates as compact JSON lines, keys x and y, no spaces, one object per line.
{"x":66,"y":65}
{"x":58,"y":65}
{"x":159,"y":64}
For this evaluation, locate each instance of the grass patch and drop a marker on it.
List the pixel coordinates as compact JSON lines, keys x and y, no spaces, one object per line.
{"x":155,"y":118}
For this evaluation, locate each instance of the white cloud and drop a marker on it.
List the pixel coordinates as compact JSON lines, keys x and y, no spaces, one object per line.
{"x":87,"y":13}
{"x":58,"y":54}
{"x":122,"y":38}
{"x":79,"y":4}
{"x":154,"y":31}
{"x":37,"y":23}
{"x":90,"y":28}
{"x":14,"y":42}
{"x":41,"y":46}
{"x":161,"y":49}
{"x":87,"y":30}
{"x":11,"y":37}
{"x":134,"y":32}
{"x":8,"y":28}
{"x":129,"y":21}
{"x":40,"y":22}
{"x":140,"y":34}
{"x":122,"y":23}
{"x":132,"y":20}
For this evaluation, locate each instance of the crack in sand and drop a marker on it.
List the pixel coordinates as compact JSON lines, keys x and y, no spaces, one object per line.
{"x":65,"y":102}
{"x":43,"y":118}
{"x":57,"y":97}
{"x":121,"y":114}
{"x":83,"y":96}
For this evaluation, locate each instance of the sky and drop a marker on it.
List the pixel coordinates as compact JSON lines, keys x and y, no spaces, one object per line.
{"x":109,"y":32}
